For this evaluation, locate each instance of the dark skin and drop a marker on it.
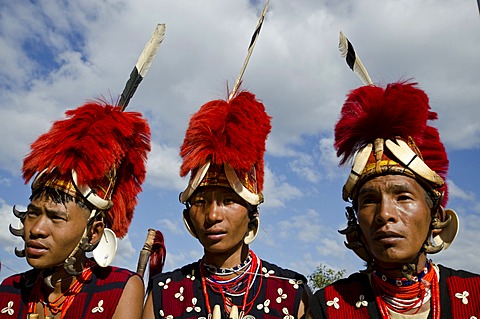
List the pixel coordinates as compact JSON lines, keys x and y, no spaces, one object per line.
{"x":394,"y":214}
{"x":220,"y":217}
{"x":220,"y":220}
{"x":52,"y":231}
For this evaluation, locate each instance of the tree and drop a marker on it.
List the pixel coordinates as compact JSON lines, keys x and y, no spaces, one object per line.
{"x":323,"y":276}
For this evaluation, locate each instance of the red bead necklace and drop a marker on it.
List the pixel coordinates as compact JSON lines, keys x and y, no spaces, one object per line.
{"x":403,"y":297}
{"x":240,"y":285}
{"x":64,"y":300}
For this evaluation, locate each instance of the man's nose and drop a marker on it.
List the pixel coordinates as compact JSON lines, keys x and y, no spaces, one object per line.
{"x":214,"y":213}
{"x":40,"y":227}
{"x":386,"y":212}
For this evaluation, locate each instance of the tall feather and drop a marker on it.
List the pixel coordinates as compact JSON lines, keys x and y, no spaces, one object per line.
{"x":233,"y":132}
{"x":353,"y":60}
{"x":143,"y":64}
{"x":249,"y":52}
{"x":97,"y":137}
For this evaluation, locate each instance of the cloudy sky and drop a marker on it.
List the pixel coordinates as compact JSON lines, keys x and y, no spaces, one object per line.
{"x":55,"y":55}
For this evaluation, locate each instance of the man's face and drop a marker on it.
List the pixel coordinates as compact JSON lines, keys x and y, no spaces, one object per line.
{"x":52,"y":231}
{"x":394,"y":217}
{"x":220,"y":219}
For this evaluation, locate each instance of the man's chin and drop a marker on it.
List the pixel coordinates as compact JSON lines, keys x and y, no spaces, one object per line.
{"x":38,"y":263}
{"x":389,"y":259}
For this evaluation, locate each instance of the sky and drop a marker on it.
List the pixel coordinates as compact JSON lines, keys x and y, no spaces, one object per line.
{"x":56,"y":55}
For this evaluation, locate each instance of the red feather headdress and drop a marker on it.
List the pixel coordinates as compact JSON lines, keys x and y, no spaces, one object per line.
{"x":385,"y":121}
{"x":105,"y":149}
{"x":224,"y":144}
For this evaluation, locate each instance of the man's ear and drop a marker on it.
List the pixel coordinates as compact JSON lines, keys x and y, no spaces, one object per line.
{"x":438,"y":214}
{"x":444,"y":226}
{"x":188,"y":222}
{"x":96,"y":231}
{"x":252,"y":212}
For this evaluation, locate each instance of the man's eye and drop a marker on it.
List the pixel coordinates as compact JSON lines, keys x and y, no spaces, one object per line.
{"x":32,"y":214}
{"x":198,"y":202}
{"x":229,"y":200}
{"x":367,"y":201}
{"x":404,"y":197}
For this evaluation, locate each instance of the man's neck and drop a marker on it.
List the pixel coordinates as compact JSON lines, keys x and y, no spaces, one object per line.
{"x":395,"y":270}
{"x":60,"y":279}
{"x":227,"y":259}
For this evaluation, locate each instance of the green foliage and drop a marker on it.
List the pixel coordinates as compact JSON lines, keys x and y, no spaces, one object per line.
{"x":324,"y":276}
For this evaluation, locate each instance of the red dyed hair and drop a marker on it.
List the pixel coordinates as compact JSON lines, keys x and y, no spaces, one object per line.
{"x":231,"y":132}
{"x":92,"y":140}
{"x":399,"y":110}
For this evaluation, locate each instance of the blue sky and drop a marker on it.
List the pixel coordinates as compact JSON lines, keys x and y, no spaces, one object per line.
{"x":55,"y":55}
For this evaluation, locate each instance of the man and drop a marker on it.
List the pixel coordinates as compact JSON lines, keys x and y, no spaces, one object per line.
{"x":398,"y":193}
{"x":87,"y":171}
{"x":223,"y":151}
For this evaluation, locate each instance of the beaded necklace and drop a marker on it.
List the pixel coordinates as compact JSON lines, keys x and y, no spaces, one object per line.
{"x":228,"y":271}
{"x":234,"y":287}
{"x":402,"y":295}
{"x":60,"y":305}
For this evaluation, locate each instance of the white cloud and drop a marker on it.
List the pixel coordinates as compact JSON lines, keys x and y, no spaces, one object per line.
{"x":306,"y":227}
{"x":174,"y":227}
{"x":278,"y":190}
{"x":7,"y":240}
{"x":10,"y":263}
{"x":56,"y":55}
{"x":163,"y":168}
{"x":462,"y":253}
{"x":456,"y":192}
{"x":330,"y":247}
{"x":303,"y":166}
{"x":175,"y":260}
{"x":328,"y":159}
{"x":5,"y":181}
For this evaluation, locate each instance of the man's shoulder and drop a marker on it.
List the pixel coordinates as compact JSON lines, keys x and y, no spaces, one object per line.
{"x":187,"y":271}
{"x":354,"y":279}
{"x":355,"y":282}
{"x":462,"y":289}
{"x":271,"y":269}
{"x":21,"y":279}
{"x":12,"y":280}
{"x":112,"y":274}
{"x":460,"y":279}
{"x":447,"y":271}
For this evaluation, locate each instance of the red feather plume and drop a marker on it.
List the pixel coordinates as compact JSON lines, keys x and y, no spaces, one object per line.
{"x":232,"y":132}
{"x":399,"y":110}
{"x":158,"y":254}
{"x":91,"y":140}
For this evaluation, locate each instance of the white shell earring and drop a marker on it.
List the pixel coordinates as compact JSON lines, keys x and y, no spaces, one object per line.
{"x":252,"y":232}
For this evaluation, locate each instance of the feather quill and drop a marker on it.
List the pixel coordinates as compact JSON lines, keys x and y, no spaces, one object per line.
{"x":249,"y":52}
{"x":143,"y":64}
{"x":348,"y":53}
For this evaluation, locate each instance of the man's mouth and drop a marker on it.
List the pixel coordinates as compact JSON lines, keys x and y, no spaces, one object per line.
{"x":35,"y":248}
{"x":387,"y":236}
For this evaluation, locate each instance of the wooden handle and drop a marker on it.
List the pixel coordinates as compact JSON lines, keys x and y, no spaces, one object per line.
{"x":145,"y":252}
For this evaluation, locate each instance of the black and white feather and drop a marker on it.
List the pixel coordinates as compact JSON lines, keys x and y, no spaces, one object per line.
{"x":143,"y":64}
{"x":249,"y":53}
{"x":348,"y":53}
